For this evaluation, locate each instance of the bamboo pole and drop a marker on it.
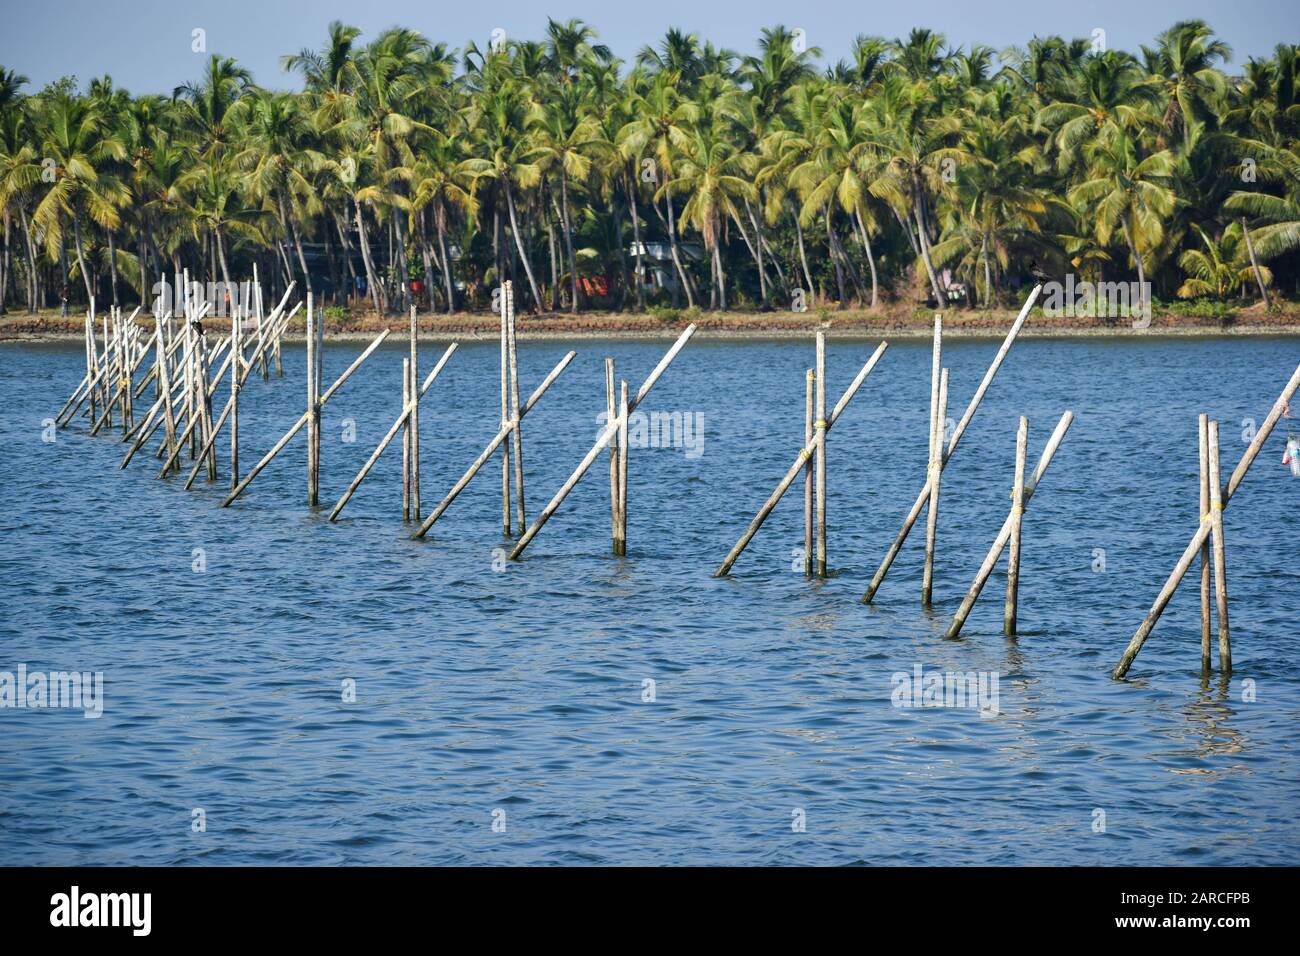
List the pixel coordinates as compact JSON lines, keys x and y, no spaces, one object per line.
{"x":620,"y":543}
{"x":800,"y":464}
{"x":487,"y":452}
{"x":939,"y":418}
{"x":1017,"y":511}
{"x":1203,"y":531}
{"x":414,"y":419}
{"x":819,"y":453}
{"x":605,"y":437}
{"x":1004,"y":535}
{"x":960,"y":430}
{"x":516,"y":434}
{"x":809,"y":410}
{"x":236,"y":350}
{"x":611,"y":414}
{"x":318,"y":375}
{"x":407,"y":410}
{"x":506,"y":292}
{"x":243,"y":378}
{"x":1203,"y":430}
{"x":311,"y":402}
{"x":932,"y":461}
{"x":406,"y":441}
{"x":302,"y":420}
{"x":1220,"y":555}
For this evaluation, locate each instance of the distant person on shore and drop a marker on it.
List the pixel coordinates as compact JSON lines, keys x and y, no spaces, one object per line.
{"x":63,"y":301}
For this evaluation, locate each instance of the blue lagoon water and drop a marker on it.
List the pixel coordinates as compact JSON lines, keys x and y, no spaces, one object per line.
{"x":514,"y":692}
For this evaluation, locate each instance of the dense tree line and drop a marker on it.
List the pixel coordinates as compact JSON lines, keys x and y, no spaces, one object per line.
{"x":410,"y":174}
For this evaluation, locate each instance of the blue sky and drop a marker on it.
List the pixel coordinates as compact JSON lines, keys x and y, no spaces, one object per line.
{"x":146,"y":45}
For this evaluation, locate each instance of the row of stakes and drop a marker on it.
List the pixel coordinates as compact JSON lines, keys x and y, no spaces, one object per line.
{"x":184,"y":385}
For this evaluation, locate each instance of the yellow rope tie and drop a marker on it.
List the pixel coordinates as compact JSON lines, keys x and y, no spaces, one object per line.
{"x":820,"y":424}
{"x":804,"y":455}
{"x":812,"y":376}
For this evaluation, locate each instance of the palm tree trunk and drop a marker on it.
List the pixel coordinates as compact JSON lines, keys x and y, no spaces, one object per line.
{"x":112,"y":267}
{"x":758,"y":254}
{"x":4,"y":265}
{"x":302,"y":259}
{"x":347,"y":255}
{"x":568,"y":241}
{"x":925,"y":245}
{"x":830,"y":246}
{"x":871,"y":259}
{"x":438,"y":221}
{"x":528,"y":267}
{"x":988,"y":272}
{"x":1137,"y":259}
{"x":403,"y":268}
{"x":1254,"y":264}
{"x":636,"y":239}
{"x":81,"y":261}
{"x":722,"y":279}
{"x":677,"y":259}
{"x":550,"y":245}
{"x":31,"y":261}
{"x":803,"y":254}
{"x":365,"y":258}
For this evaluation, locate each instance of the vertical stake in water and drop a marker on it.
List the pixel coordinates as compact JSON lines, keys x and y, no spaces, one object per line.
{"x":932,"y":463}
{"x":809,"y":378}
{"x":1220,"y":557}
{"x":1017,"y":511}
{"x":414,"y":387}
{"x":620,"y":543}
{"x":611,"y":414}
{"x":1203,"y":433}
{"x":516,"y":437}
{"x":506,"y":292}
{"x":819,"y":427}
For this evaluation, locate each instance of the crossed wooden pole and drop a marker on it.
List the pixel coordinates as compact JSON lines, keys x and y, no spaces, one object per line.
{"x":935,"y":471}
{"x":607,"y":434}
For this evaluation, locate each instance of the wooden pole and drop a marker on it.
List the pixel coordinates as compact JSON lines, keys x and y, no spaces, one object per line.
{"x":1203,"y":430}
{"x":809,"y":412}
{"x":407,"y":410}
{"x":506,"y":293}
{"x":516,"y":434}
{"x":236,"y":350}
{"x":1220,"y":556}
{"x":819,"y":453}
{"x":800,"y":464}
{"x":311,"y":402}
{"x":487,"y":452}
{"x":243,"y":378}
{"x":317,"y":375}
{"x":611,"y":414}
{"x":620,"y":544}
{"x":605,"y":437}
{"x":934,"y":452}
{"x":406,"y":442}
{"x":940,"y":418}
{"x":1004,"y":536}
{"x":302,"y":420}
{"x":414,"y":419}
{"x":960,"y":430}
{"x":1202,"y":532}
{"x":1017,"y":510}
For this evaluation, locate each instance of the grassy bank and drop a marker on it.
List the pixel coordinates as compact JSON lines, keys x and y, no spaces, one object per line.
{"x":898,"y":322}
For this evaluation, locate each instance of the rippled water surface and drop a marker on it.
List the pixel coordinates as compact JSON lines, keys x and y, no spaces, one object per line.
{"x":521,"y":690}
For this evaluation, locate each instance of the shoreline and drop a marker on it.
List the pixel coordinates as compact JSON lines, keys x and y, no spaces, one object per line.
{"x":743,"y":327}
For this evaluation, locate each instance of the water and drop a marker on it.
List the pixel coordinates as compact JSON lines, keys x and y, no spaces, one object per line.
{"x":516,"y":695}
